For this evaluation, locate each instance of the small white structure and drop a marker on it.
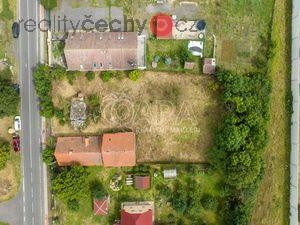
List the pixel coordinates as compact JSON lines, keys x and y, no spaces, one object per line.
{"x":196,"y":48}
{"x":170,"y":174}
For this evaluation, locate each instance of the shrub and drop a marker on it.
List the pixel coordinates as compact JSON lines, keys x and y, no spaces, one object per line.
{"x":209,"y":202}
{"x":134,"y":75}
{"x":72,"y":75}
{"x":58,"y":49}
{"x":73,"y":205}
{"x":106,"y":75}
{"x":4,"y":154}
{"x":49,"y":4}
{"x":97,"y":189}
{"x":90,"y":75}
{"x":93,"y":104}
{"x":180,"y":197}
{"x":48,"y":156}
{"x":183,"y":55}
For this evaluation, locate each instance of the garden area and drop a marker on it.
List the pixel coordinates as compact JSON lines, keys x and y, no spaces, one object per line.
{"x":171,"y":55}
{"x":193,"y":197}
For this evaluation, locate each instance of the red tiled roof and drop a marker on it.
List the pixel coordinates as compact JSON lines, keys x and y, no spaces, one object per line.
{"x":118,"y":149}
{"x":136,"y":219}
{"x":101,"y":206}
{"x":142,"y":182}
{"x":78,"y":150}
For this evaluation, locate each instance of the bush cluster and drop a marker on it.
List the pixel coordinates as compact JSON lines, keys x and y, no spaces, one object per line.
{"x":4,"y":154}
{"x":241,"y":139}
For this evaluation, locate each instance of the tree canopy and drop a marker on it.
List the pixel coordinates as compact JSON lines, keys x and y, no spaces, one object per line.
{"x":70,"y":183}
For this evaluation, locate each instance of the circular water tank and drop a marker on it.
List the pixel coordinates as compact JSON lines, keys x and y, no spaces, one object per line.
{"x":201,"y":24}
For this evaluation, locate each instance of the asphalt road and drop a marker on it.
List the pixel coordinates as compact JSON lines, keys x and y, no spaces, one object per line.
{"x":32,"y":184}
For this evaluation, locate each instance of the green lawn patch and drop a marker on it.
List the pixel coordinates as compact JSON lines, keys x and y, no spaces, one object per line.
{"x":170,"y":56}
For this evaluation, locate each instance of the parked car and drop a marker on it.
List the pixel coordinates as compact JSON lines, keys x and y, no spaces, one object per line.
{"x":16,"y":143}
{"x":17,"y":123}
{"x":16,"y":30}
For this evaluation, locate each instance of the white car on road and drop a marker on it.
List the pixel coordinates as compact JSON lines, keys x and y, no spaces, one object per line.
{"x":17,"y":123}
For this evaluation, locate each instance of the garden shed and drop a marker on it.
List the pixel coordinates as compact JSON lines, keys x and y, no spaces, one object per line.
{"x":142,"y":182}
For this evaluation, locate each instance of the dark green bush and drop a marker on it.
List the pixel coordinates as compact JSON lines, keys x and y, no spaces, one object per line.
{"x":90,"y":75}
{"x":106,"y":75}
{"x":4,"y":154}
{"x":49,"y":4}
{"x":209,"y":202}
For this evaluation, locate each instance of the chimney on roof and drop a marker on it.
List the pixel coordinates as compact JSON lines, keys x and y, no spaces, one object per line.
{"x":87,"y":141}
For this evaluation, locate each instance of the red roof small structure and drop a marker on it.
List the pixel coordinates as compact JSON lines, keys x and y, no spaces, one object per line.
{"x":118,"y":149}
{"x":101,"y":206}
{"x":137,"y":218}
{"x":142,"y":182}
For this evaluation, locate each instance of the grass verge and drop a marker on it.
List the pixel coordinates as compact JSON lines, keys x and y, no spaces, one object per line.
{"x":272,"y":205}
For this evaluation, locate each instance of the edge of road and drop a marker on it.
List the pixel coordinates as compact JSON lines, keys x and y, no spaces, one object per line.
{"x":42,"y":47}
{"x":294,"y":157}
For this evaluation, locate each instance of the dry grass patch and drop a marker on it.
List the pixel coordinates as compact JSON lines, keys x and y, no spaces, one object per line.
{"x":172,"y":114}
{"x":10,"y":178}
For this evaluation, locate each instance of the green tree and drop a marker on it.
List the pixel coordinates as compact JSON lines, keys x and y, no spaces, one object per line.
{"x":4,"y":154}
{"x":71,"y":183}
{"x":49,"y":4}
{"x":9,"y":99}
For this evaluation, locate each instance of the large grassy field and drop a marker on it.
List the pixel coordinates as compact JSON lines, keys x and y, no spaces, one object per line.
{"x":188,"y":176}
{"x":272,"y":205}
{"x":169,"y":113}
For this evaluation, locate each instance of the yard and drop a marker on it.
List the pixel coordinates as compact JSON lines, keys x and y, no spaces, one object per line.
{"x":178,"y":111}
{"x":161,"y":192}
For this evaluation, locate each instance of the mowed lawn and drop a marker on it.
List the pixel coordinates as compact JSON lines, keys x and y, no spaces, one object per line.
{"x":272,"y":206}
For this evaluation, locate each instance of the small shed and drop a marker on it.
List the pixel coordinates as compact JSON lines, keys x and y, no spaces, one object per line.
{"x":101,"y":206}
{"x":189,"y":65}
{"x":209,"y":66}
{"x":142,"y":182}
{"x":170,"y":174}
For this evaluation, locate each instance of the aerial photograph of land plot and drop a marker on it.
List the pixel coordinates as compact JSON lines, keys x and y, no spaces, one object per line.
{"x":149,"y":112}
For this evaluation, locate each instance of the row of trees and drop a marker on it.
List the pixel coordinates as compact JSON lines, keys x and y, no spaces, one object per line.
{"x":241,"y":140}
